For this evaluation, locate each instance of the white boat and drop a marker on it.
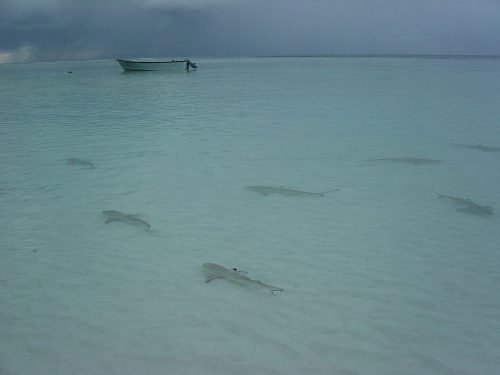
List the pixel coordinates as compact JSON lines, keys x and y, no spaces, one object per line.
{"x":153,"y":65}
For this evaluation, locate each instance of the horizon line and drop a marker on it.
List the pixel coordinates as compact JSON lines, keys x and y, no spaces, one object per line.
{"x":323,"y":55}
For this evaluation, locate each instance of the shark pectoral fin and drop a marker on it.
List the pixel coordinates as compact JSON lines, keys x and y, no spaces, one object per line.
{"x":110,"y":220}
{"x":211,"y":278}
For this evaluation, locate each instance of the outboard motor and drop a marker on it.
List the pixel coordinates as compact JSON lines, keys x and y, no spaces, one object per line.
{"x":190,"y":64}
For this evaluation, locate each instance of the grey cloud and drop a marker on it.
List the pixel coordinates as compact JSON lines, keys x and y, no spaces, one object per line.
{"x":56,"y":29}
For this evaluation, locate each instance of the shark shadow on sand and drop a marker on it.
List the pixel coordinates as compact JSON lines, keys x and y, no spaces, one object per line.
{"x":112,"y":215}
{"x":477,"y":147}
{"x":267,"y":190}
{"x":79,"y":163}
{"x":408,"y":160}
{"x":214,"y":271}
{"x":468,"y":206}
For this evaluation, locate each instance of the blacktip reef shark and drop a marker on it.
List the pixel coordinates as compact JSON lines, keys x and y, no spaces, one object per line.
{"x":469,"y":206}
{"x":478,"y":147}
{"x":79,"y":162}
{"x":409,"y":160}
{"x":215,"y":271}
{"x":112,"y":215}
{"x":266,"y":190}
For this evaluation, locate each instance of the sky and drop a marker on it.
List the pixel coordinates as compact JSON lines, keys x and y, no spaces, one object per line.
{"x":51,"y":30}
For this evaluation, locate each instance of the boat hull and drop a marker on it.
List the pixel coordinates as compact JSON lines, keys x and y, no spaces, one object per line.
{"x":168,"y":66}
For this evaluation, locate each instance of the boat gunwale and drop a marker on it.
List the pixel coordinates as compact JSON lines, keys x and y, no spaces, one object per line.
{"x":152,"y":62}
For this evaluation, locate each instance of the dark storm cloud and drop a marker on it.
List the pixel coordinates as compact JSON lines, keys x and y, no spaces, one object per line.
{"x":96,"y":29}
{"x":71,"y":29}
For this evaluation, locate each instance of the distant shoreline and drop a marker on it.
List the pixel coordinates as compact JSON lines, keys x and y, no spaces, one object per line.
{"x":374,"y":56}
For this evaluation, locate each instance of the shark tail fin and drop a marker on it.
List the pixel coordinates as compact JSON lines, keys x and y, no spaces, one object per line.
{"x":277,"y":290}
{"x":327,"y":191}
{"x":271,"y":288}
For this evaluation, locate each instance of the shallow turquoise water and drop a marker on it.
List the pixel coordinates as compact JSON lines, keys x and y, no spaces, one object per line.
{"x":380,"y":277}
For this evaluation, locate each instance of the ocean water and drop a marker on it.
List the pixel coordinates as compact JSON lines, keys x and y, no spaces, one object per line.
{"x":379,"y":277}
